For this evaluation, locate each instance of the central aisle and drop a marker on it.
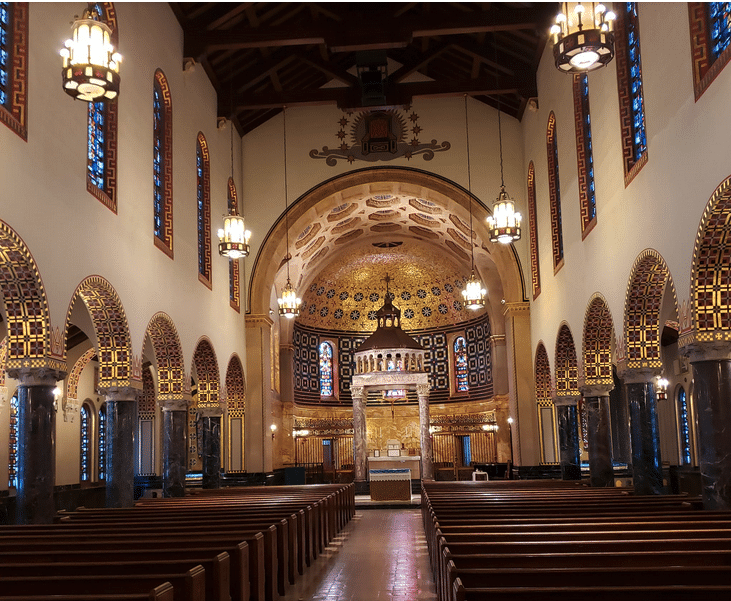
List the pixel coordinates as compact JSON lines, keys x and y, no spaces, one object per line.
{"x":380,"y":555}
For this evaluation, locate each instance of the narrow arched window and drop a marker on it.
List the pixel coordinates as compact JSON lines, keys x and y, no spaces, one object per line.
{"x":14,"y":66}
{"x":102,"y":441}
{"x":203,"y":200}
{"x":162,"y":163}
{"x":13,"y":444}
{"x":629,"y":85}
{"x":533,"y":228}
{"x":101,"y":160}
{"x":85,"y":438}
{"x":461,"y":371}
{"x":584,"y":154}
{"x":326,"y":369}
{"x":710,"y":40}
{"x":554,"y":190}
{"x":683,"y":427}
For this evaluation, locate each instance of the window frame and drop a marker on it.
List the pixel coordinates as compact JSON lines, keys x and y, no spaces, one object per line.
{"x":332,"y":347}
{"x":163,"y":186}
{"x":705,"y":67}
{"x":584,"y":154}
{"x":554,"y":189}
{"x":14,"y":114}
{"x":203,"y":211}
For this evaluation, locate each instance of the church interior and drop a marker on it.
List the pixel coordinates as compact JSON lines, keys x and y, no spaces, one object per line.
{"x":279,"y":244}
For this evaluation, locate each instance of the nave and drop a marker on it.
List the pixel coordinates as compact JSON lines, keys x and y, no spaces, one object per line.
{"x":381,"y":555}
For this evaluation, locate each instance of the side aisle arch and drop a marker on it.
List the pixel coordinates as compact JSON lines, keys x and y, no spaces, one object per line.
{"x":546,"y":409}
{"x":597,"y":343}
{"x":236,"y":414}
{"x":169,"y":357}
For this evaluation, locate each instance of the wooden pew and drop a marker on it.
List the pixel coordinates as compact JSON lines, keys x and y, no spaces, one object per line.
{"x":163,"y":592}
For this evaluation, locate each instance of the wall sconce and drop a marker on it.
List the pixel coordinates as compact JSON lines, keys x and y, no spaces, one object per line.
{"x":662,"y":389}
{"x":273,"y":428}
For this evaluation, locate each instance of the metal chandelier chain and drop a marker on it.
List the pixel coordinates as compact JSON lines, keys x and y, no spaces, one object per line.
{"x":499,"y":124}
{"x":286,"y":205}
{"x":469,"y":178}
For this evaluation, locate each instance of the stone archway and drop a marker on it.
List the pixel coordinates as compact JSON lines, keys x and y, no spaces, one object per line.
{"x":235,"y":414}
{"x":207,"y":410}
{"x":567,"y":399}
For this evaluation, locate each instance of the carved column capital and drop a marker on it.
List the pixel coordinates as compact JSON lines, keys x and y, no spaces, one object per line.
{"x":594,"y":390}
{"x":357,"y":392}
{"x":422,"y":390}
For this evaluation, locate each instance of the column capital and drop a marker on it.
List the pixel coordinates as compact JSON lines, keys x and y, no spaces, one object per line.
{"x":712,"y":350}
{"x":594,"y":390}
{"x":36,"y":376}
{"x":570,"y":400}
{"x":174,"y":405}
{"x":255,"y":321}
{"x":642,"y":375}
{"x":210,"y":411}
{"x":422,"y":390}
{"x":516,"y":309}
{"x":357,"y":392}
{"x":122,"y":393}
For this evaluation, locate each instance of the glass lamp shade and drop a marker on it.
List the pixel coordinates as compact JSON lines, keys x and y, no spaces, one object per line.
{"x":233,"y":239}
{"x":474,"y":293}
{"x":289,"y":304}
{"x":90,"y":63}
{"x":662,"y":389}
{"x":504,"y":223}
{"x":582,"y":37}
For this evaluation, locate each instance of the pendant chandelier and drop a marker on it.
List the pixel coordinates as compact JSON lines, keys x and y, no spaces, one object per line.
{"x":504,"y":223}
{"x":474,"y":292}
{"x":233,"y":238}
{"x":582,"y":37}
{"x":90,"y":63}
{"x":289,"y":303}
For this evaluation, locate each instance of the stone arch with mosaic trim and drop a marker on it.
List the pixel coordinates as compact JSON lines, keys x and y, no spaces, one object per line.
{"x":111,"y":329}
{"x":567,"y":367}
{"x":710,"y":291}
{"x":25,"y":302}
{"x":643,"y":305}
{"x":544,"y":395}
{"x":597,"y":343}
{"x":205,"y":370}
{"x":236,"y":410}
{"x":169,"y":357}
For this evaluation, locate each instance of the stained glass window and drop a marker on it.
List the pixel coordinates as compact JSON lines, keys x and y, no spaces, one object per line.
{"x":555,"y":192}
{"x":203,"y":210}
{"x":719,"y":16}
{"x":85,"y":443}
{"x":585,"y":153}
{"x":96,"y":144}
{"x":683,"y":427}
{"x":158,"y":118}
{"x":102,"y":452}
{"x":460,"y":365}
{"x":326,"y":369}
{"x":13,"y":446}
{"x":639,"y":135}
{"x":6,"y":44}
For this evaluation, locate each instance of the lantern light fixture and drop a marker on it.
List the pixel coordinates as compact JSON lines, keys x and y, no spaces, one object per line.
{"x":90,"y":62}
{"x":662,"y":388}
{"x":583,"y":39}
{"x":233,"y":238}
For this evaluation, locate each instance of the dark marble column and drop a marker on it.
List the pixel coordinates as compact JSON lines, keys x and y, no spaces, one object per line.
{"x":174,"y":448}
{"x":600,"y":435}
{"x":36,"y":445}
{"x":712,"y":397}
{"x":427,"y":456}
{"x":210,"y":424}
{"x":360,"y":450}
{"x":644,"y":431}
{"x":568,"y":437}
{"x":120,"y":446}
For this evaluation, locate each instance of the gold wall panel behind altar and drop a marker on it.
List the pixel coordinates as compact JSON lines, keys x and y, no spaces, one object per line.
{"x":427,"y":287}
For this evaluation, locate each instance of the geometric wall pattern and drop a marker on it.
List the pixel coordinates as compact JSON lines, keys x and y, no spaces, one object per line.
{"x":533,"y":230}
{"x":26,"y":306}
{"x":72,"y":385}
{"x":163,"y":164}
{"x":567,"y":371}
{"x":642,"y":311}
{"x":169,"y":357}
{"x":705,"y":62}
{"x":146,"y":400}
{"x":203,"y":202}
{"x":477,"y":334}
{"x":543,"y":376}
{"x":598,"y":336}
{"x":554,"y":193}
{"x":14,"y":115}
{"x":206,"y":368}
{"x":235,"y":386}
{"x":584,"y":154}
{"x":711,"y":276}
{"x":111,"y":330}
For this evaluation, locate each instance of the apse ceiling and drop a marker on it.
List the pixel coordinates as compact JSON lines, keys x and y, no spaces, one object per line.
{"x":261,"y":56}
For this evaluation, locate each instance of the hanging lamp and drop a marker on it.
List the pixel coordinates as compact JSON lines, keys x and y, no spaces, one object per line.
{"x":504,"y":223}
{"x":90,"y":63}
{"x":289,"y":303}
{"x":474,"y":292}
{"x":233,"y":238}
{"x":582,"y":37}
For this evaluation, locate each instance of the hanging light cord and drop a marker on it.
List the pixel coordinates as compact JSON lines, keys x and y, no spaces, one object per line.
{"x":499,"y":125}
{"x":469,"y":179}
{"x":286,"y":206}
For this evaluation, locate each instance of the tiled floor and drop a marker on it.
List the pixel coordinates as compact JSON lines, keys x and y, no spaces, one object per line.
{"x":380,"y":555}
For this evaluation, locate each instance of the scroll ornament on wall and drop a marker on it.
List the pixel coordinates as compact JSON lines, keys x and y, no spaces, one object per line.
{"x":381,"y":135}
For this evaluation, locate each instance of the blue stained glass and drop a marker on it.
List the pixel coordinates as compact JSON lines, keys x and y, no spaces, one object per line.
{"x":201,"y":228}
{"x":326,"y":369}
{"x":683,"y":426}
{"x":13,"y":445}
{"x":554,"y":150}
{"x":97,"y":144}
{"x":5,"y":47}
{"x":466,"y":450}
{"x":639,"y":135}
{"x":590,"y":187}
{"x":102,"y":451}
{"x":719,"y":16}
{"x":85,"y":439}
{"x":157,"y":162}
{"x":460,"y":365}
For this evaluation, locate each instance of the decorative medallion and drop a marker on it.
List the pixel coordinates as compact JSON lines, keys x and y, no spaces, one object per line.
{"x":379,"y":135}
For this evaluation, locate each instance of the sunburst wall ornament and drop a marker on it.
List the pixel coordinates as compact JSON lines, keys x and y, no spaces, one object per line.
{"x":379,"y":135}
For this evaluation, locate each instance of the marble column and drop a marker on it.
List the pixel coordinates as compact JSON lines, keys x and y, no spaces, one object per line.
{"x":568,"y":437}
{"x":36,"y":444}
{"x":209,"y":419}
{"x":712,"y":397}
{"x":600,"y":435}
{"x":427,"y":455}
{"x":360,"y":442}
{"x":174,"y":447}
{"x":120,"y":446}
{"x":644,"y":431}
